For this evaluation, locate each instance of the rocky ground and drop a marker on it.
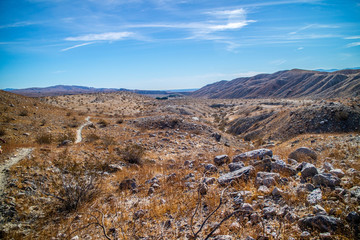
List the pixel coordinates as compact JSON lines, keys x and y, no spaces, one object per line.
{"x":171,"y":171}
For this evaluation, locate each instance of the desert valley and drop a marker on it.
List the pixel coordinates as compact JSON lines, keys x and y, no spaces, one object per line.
{"x":273,"y":156}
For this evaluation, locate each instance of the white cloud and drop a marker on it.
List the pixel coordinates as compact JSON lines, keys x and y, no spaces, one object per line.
{"x":354,"y":44}
{"x":300,"y":48}
{"x":76,"y":46}
{"x":109,"y":36}
{"x":352,"y":37}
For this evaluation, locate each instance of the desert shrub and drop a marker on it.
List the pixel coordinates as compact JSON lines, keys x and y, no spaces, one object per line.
{"x":132,"y":153}
{"x":92,"y":137}
{"x":2,"y":132}
{"x":74,"y":184}
{"x":43,"y":122}
{"x":107,"y":141}
{"x":44,"y":138}
{"x":74,"y":124}
{"x":102,"y":123}
{"x":24,"y":113}
{"x":66,"y":136}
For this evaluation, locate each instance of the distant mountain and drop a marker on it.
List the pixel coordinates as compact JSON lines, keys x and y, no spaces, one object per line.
{"x":294,"y":83}
{"x":71,"y":90}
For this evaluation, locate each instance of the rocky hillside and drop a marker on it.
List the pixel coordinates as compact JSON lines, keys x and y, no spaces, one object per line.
{"x":294,"y":83}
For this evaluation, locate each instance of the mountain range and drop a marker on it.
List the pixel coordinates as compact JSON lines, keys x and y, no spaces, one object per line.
{"x":295,"y":83}
{"x":71,"y":90}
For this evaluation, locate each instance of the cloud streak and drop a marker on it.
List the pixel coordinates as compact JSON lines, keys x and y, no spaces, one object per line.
{"x":18,"y":24}
{"x":76,"y":46}
{"x":354,"y":44}
{"x":108,"y":36}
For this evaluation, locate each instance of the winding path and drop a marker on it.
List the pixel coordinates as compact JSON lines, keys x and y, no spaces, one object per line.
{"x":20,"y":155}
{"x":78,"y":132}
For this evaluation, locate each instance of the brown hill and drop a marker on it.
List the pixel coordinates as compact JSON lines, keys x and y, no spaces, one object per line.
{"x":294,"y":83}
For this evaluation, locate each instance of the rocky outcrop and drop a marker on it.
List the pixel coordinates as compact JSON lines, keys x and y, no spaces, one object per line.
{"x":242,"y":174}
{"x":251,"y":155}
{"x":303,"y":154}
{"x":321,"y":223}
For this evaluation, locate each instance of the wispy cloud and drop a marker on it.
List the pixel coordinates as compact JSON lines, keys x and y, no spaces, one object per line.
{"x":18,"y":24}
{"x":212,"y":30}
{"x":76,"y":46}
{"x":354,"y":44}
{"x":313,"y":26}
{"x":108,"y":36}
{"x":353,"y":37}
{"x":274,"y":3}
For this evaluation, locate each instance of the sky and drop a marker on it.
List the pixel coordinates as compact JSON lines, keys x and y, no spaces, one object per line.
{"x":167,"y":44}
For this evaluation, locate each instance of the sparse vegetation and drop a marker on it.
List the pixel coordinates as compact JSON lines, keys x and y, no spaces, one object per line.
{"x":102,"y":123}
{"x":161,"y":156}
{"x":92,"y":137}
{"x":2,"y":132}
{"x":24,"y":113}
{"x":73,"y":185}
{"x":132,"y":154}
{"x":44,"y":138}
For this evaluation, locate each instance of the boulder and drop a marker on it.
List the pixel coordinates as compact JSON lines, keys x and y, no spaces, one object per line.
{"x":303,"y":154}
{"x":236,"y":166}
{"x":355,"y":192}
{"x":210,"y":168}
{"x":328,"y":166}
{"x":263,"y":165}
{"x":321,"y":223}
{"x":326,"y":179}
{"x":308,"y":171}
{"x":337,"y":172}
{"x":314,"y":197}
{"x":222,"y":237}
{"x":221,"y":160}
{"x":269,"y":212}
{"x":129,"y":184}
{"x":353,"y":218}
{"x":242,"y":174}
{"x":277,"y":192}
{"x":255,"y":154}
{"x":114,"y":168}
{"x":267,"y":179}
{"x":208,"y":180}
{"x":280,"y":166}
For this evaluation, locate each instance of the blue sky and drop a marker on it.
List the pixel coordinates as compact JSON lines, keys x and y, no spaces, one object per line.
{"x":166,"y":44}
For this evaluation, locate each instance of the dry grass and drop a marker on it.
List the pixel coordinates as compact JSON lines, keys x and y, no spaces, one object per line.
{"x":82,"y":174}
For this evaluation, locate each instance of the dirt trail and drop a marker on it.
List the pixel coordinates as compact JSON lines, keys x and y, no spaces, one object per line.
{"x":21,"y":154}
{"x":78,"y":132}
